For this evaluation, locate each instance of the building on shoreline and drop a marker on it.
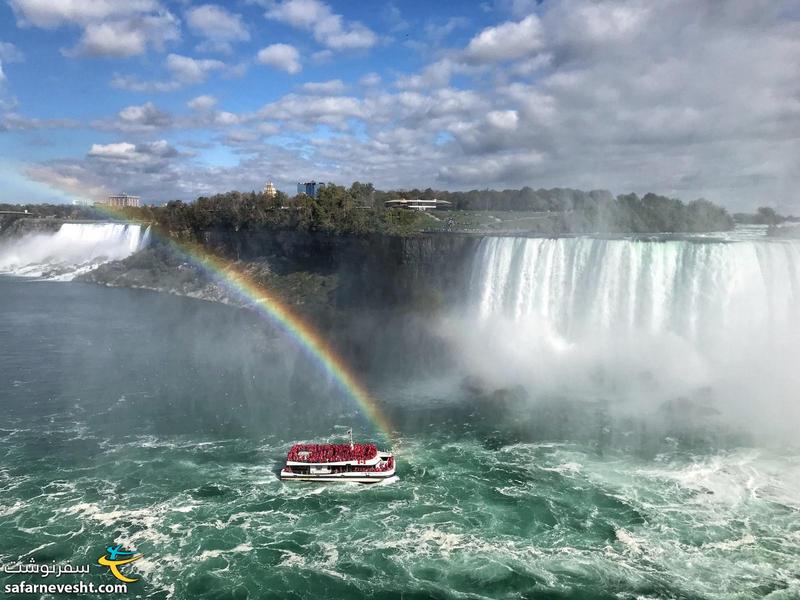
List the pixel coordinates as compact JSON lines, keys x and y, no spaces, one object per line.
{"x":269,"y":190}
{"x":417,"y":204}
{"x":121,"y":200}
{"x":310,"y":188}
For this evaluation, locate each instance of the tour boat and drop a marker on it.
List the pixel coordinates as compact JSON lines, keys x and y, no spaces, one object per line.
{"x":358,"y":463}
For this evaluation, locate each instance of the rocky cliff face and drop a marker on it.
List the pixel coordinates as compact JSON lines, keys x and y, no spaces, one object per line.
{"x":375,"y":270}
{"x":420,"y":272}
{"x":355,"y":290}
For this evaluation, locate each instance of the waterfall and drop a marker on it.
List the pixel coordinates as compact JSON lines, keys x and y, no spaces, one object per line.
{"x":583,"y":286}
{"x":631,"y":318}
{"x":74,"y":249}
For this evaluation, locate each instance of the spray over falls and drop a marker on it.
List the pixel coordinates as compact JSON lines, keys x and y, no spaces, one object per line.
{"x":639,"y":321}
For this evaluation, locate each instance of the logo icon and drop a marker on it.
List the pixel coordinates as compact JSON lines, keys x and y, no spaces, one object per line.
{"x":115,"y":558}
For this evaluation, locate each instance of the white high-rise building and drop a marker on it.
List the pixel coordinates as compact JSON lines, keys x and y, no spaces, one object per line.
{"x":122,"y":200}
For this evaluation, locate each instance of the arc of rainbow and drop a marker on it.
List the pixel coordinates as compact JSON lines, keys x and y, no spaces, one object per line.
{"x":270,"y":307}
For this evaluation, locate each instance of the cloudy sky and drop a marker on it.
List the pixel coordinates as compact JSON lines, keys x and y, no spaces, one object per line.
{"x":174,"y":99}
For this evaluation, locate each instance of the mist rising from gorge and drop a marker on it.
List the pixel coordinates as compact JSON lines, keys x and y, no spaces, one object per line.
{"x":638,"y":325}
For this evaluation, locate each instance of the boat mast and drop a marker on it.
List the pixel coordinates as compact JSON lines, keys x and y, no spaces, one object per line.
{"x":350,"y":435}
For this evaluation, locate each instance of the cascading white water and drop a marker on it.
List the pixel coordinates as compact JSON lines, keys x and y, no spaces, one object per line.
{"x":75,"y":248}
{"x":628,"y":318}
{"x":696,"y":290}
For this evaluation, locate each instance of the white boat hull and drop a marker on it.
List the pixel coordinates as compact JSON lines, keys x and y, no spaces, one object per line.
{"x":368,"y":477}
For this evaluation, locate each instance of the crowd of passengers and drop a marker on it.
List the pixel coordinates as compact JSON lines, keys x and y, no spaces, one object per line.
{"x":319,"y":453}
{"x":384,"y":466}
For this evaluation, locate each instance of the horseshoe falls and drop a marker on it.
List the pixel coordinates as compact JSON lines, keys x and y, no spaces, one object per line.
{"x":640,"y":321}
{"x":694,"y":289}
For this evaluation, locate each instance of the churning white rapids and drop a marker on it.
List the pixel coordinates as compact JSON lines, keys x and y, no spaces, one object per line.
{"x":74,"y":249}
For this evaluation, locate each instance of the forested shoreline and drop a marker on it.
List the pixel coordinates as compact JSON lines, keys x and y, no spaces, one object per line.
{"x":360,"y":209}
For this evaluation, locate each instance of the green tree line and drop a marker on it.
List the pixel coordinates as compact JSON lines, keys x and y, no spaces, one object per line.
{"x":360,"y":209}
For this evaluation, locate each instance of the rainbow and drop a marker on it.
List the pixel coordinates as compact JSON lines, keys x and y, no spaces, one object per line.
{"x":271,"y":308}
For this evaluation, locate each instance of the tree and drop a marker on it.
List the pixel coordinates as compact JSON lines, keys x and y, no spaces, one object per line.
{"x":362,"y":193}
{"x":768,"y":216}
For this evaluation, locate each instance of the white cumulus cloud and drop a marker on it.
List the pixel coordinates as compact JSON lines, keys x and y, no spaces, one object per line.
{"x":135,"y":153}
{"x":146,"y":115}
{"x":281,"y":56}
{"x":127,"y":37}
{"x":117,"y":151}
{"x":506,"y":41}
{"x":183,"y":70}
{"x":328,"y":28}
{"x":110,"y":27}
{"x":324,"y":88}
{"x":202,"y":103}
{"x":55,"y":13}
{"x":188,"y":70}
{"x":218,"y":26}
